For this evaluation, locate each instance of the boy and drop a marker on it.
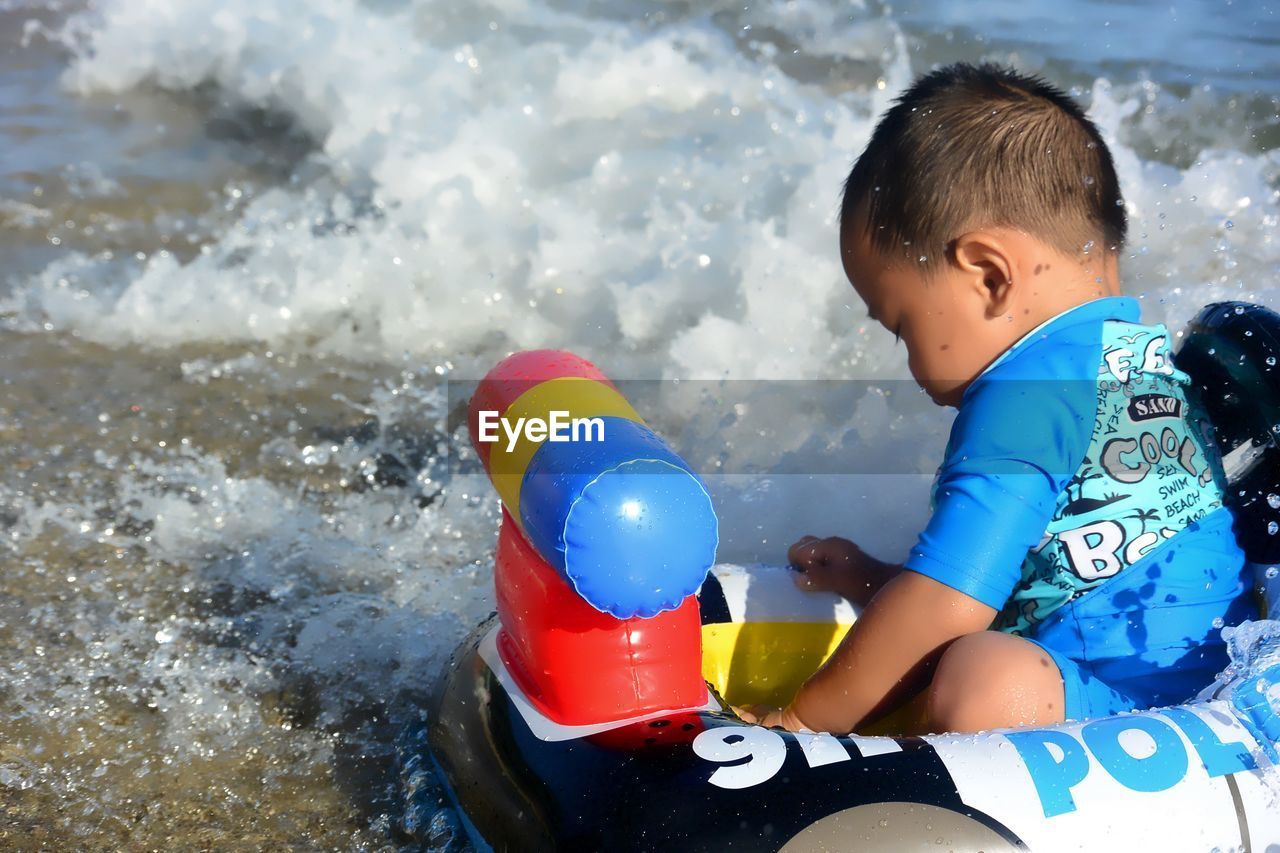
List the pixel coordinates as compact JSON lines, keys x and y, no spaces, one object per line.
{"x":1079,"y":561}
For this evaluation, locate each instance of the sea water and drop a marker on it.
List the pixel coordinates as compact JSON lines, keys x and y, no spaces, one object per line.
{"x":255,"y":248}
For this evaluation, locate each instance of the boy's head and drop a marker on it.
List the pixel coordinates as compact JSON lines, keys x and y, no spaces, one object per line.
{"x":973,"y":184}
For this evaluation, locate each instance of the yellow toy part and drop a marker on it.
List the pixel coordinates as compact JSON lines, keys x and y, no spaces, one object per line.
{"x":577,"y":398}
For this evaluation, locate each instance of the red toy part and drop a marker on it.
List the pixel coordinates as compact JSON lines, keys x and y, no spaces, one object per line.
{"x":579,"y":666}
{"x":673,"y":730}
{"x":515,"y":375}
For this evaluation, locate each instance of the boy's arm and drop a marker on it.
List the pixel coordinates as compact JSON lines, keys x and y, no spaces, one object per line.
{"x":888,"y":654}
{"x":1018,"y":438}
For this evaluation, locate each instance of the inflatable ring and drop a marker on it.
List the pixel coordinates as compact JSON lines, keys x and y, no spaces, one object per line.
{"x":661,"y":762}
{"x":1186,"y":778}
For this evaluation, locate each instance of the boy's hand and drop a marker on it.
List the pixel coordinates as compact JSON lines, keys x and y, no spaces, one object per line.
{"x":770,"y":717}
{"x":838,"y":565}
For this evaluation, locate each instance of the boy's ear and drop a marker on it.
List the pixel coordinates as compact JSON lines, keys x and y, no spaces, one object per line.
{"x":985,"y":260}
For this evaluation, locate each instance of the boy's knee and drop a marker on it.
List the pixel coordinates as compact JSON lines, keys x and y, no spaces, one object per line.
{"x":956,"y":692}
{"x":990,"y":680}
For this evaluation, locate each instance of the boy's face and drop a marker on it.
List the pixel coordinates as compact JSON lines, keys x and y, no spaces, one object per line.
{"x":943,"y":320}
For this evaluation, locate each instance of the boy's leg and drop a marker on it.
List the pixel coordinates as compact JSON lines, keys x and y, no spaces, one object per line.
{"x":990,"y":680}
{"x":909,"y":718}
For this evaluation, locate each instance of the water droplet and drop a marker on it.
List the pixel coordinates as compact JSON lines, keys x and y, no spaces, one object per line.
{"x":1088,"y":180}
{"x":1273,"y":501}
{"x":1218,"y":622}
{"x":1088,"y":247}
{"x":1272,"y":528}
{"x":1271,"y":361}
{"x":1271,"y":572}
{"x":1230,"y":224}
{"x":704,"y":260}
{"x":884,"y":822}
{"x":1239,"y":309}
{"x":922,"y":258}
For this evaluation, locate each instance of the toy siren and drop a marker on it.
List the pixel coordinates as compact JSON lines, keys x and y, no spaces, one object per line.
{"x":606,"y":535}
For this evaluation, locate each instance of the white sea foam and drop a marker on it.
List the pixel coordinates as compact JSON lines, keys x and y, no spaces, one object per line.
{"x":538,"y":177}
{"x":1254,"y":648}
{"x":359,"y":596}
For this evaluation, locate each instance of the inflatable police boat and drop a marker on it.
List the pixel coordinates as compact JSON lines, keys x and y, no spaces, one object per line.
{"x":591,"y":711}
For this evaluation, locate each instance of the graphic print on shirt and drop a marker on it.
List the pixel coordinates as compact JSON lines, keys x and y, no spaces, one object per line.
{"x":1151,"y":470}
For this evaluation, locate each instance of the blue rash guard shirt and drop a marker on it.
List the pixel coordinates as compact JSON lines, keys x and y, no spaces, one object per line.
{"x":1081,"y":497}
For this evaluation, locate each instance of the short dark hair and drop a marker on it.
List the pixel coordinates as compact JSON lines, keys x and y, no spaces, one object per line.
{"x":980,"y":146}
